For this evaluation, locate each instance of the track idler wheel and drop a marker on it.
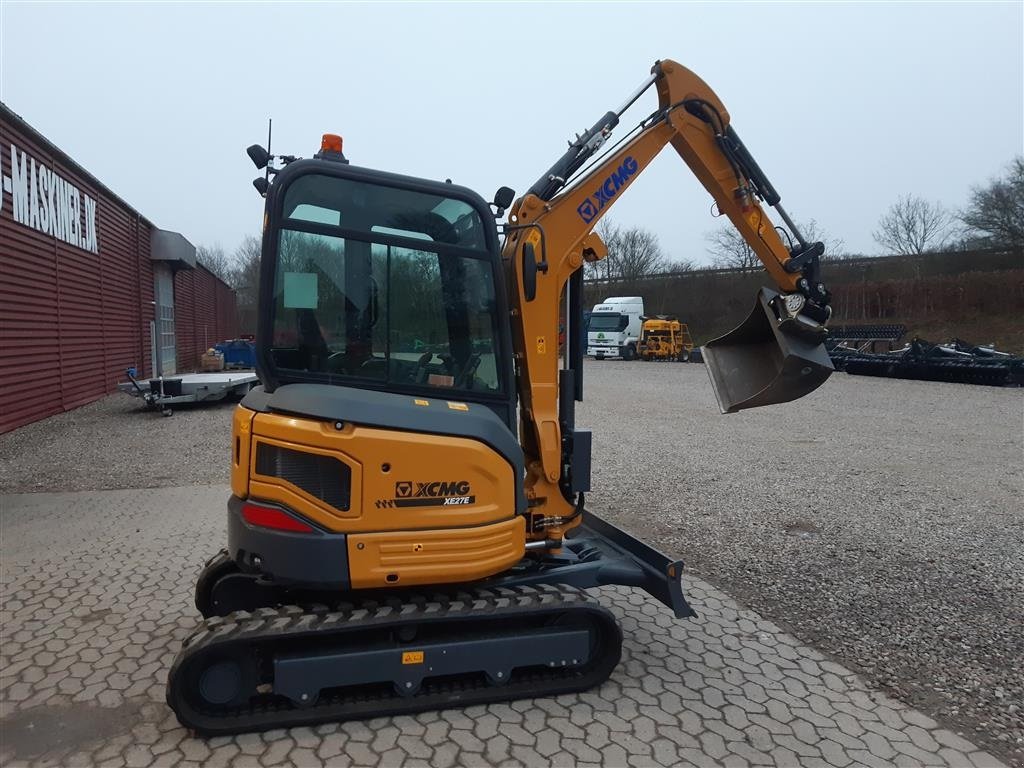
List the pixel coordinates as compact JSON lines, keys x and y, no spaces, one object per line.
{"x":223,"y":681}
{"x":223,"y":684}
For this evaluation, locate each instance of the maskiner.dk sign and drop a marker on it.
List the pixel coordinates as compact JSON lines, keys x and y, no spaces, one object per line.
{"x":47,"y":202}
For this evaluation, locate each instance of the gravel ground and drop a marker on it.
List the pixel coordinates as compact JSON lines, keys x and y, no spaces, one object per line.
{"x":116,"y":443}
{"x":879,"y":520}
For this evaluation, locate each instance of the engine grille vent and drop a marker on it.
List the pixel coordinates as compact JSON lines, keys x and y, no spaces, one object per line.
{"x":324,"y":477}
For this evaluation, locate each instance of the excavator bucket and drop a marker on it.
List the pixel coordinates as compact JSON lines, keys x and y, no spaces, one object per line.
{"x":766,"y":359}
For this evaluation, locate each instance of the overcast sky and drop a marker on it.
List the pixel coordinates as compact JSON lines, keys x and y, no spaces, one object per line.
{"x":845,"y":106}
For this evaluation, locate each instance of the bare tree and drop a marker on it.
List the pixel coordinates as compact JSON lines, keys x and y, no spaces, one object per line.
{"x":608,"y":267}
{"x":638,"y":253}
{"x":217,"y":261}
{"x":247,"y":266}
{"x":675,"y":266}
{"x":728,"y":249}
{"x":913,"y":225}
{"x":996,"y":211}
{"x":633,"y":252}
{"x":246,"y":281}
{"x":835,"y":247}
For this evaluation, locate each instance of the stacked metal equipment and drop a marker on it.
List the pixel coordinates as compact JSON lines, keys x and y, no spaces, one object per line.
{"x":957,"y":361}
{"x":846,"y":340}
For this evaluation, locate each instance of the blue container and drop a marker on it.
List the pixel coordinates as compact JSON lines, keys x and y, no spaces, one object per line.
{"x":238,"y":353}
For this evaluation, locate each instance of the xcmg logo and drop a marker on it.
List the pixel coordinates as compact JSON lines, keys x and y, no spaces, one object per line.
{"x":404,"y":489}
{"x":590,"y":207}
{"x":439,"y":493}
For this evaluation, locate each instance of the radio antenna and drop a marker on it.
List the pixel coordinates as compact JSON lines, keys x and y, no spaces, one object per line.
{"x":270,"y":126}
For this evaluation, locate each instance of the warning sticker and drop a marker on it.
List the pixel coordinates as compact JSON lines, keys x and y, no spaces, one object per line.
{"x":412,"y":657}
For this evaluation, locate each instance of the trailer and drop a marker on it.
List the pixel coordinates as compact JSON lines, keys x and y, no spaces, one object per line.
{"x":663,"y":337}
{"x":164,"y":391}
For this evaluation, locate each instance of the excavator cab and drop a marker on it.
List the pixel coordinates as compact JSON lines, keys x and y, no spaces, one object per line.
{"x":383,"y":282}
{"x":773,"y":356}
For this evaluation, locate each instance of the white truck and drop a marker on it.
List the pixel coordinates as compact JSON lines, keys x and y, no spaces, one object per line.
{"x":615,"y":327}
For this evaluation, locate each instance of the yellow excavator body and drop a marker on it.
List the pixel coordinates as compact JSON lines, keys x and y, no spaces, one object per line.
{"x":407,"y":527}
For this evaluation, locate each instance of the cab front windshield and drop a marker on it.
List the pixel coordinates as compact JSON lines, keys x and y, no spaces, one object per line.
{"x":608,"y":321}
{"x":382,"y":286}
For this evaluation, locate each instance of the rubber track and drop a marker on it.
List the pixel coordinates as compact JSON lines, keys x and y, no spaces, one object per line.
{"x":292,"y":624}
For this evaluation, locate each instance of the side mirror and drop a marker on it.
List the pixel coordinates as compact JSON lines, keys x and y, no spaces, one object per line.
{"x":529,"y":272}
{"x":503,"y":197}
{"x":259,"y":156}
{"x":261,"y":184}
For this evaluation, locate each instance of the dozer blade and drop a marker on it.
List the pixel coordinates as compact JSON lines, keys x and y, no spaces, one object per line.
{"x":766,"y":359}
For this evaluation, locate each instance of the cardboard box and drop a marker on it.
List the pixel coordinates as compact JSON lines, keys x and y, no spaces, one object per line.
{"x":212,"y":361}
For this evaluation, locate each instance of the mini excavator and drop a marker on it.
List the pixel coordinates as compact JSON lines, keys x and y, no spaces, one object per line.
{"x":407,"y":527}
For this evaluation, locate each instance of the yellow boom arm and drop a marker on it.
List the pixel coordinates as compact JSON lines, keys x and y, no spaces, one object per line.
{"x":549,"y":236}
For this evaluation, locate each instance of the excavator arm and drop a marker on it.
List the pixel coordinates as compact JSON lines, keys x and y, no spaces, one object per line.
{"x":774,"y":356}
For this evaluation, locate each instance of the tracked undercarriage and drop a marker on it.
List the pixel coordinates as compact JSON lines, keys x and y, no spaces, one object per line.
{"x":289,"y":666}
{"x":305,"y":658}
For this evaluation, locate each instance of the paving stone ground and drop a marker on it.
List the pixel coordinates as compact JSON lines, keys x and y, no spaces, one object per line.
{"x":96,"y":599}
